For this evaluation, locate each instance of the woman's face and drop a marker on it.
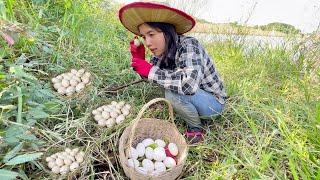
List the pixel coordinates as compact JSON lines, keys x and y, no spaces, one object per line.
{"x":154,"y":39}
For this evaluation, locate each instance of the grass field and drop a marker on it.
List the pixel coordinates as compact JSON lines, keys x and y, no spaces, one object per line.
{"x":269,"y":130}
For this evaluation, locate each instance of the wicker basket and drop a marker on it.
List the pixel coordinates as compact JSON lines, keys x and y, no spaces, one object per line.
{"x":152,"y":128}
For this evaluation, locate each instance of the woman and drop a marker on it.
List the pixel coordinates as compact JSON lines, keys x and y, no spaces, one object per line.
{"x":179,"y":64}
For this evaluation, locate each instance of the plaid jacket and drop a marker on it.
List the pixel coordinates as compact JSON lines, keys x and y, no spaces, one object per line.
{"x":195,"y":69}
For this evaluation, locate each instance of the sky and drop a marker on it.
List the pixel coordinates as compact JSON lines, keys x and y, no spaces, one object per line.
{"x":303,"y":14}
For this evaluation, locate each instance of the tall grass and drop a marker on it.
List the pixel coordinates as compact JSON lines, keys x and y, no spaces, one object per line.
{"x":269,"y":130}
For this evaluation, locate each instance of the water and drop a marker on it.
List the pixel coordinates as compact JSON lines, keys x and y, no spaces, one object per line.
{"x":248,"y":41}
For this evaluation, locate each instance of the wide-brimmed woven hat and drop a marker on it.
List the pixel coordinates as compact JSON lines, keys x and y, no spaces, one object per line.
{"x":134,"y":14}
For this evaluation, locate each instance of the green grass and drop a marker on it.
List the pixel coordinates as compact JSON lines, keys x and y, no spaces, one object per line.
{"x":269,"y":130}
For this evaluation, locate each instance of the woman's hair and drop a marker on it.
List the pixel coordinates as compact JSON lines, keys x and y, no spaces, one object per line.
{"x":170,"y":35}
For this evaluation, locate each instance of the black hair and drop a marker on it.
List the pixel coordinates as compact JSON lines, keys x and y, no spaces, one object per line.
{"x":170,"y":35}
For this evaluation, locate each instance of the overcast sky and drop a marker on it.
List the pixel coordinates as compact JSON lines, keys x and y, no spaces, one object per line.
{"x":303,"y":14}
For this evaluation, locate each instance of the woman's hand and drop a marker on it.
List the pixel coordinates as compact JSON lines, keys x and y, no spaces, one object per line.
{"x":137,"y":51}
{"x":141,"y":66}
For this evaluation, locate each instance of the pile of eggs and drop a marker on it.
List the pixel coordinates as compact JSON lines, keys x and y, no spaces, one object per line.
{"x":111,"y":114}
{"x":65,"y":161}
{"x":152,"y":157}
{"x":71,"y":82}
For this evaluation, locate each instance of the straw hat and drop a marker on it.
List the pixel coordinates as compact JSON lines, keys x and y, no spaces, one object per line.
{"x":134,"y":14}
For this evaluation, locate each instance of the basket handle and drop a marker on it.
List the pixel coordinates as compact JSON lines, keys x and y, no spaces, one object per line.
{"x":143,"y":109}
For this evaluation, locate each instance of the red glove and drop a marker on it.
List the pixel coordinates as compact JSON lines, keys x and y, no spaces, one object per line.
{"x":141,"y":66}
{"x":137,"y":52}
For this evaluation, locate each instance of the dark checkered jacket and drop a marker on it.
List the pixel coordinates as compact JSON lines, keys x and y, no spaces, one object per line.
{"x":195,"y":69}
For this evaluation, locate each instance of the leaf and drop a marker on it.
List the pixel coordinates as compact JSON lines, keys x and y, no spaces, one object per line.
{"x":24,"y":158}
{"x":12,"y":134}
{"x":293,"y":169}
{"x":37,"y":113}
{"x":13,"y":152}
{"x":6,"y":174}
{"x":2,"y":10}
{"x":19,"y":72}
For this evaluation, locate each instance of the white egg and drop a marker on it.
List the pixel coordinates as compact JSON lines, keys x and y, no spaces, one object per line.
{"x":133,"y":163}
{"x":95,"y":112}
{"x":70,"y":74}
{"x":67,"y":150}
{"x":81,"y":71}
{"x":160,"y":143}
{"x":118,"y":111}
{"x":70,"y":89}
{"x":75,"y":150}
{"x":55,"y":80}
{"x":82,"y":153}
{"x":119,"y":106}
{"x":141,"y":170}
{"x":74,"y":166}
{"x":62,"y":90}
{"x":73,"y":71}
{"x":107,"y":109}
{"x":55,"y":169}
{"x":79,"y":87}
{"x":105,"y":115}
{"x":51,"y":164}
{"x":79,"y":158}
{"x":98,"y":117}
{"x":76,"y":78}
{"x":102,"y":122}
{"x":173,"y":149}
{"x":121,"y":103}
{"x":141,"y":149}
{"x":133,"y":154}
{"x":159,"y":166}
{"x":149,"y":153}
{"x":59,"y":162}
{"x":72,"y":153}
{"x":128,"y":106}
{"x":114,"y":103}
{"x":169,"y":162}
{"x":67,"y":161}
{"x":136,"y":42}
{"x":65,"y":83}
{"x":48,"y":159}
{"x":86,"y":74}
{"x":110,"y":122}
{"x":66,"y":77}
{"x":125,"y":112}
{"x":114,"y":114}
{"x":120,"y":119}
{"x":159,"y":154}
{"x":54,"y":156}
{"x":73,"y":82}
{"x":57,"y":85}
{"x":147,"y":142}
{"x":59,"y":77}
{"x":85,"y":79}
{"x":64,"y":169}
{"x":71,"y":157}
{"x":148,"y":165}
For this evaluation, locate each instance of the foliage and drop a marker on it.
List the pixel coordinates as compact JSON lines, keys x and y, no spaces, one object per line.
{"x":281,"y":27}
